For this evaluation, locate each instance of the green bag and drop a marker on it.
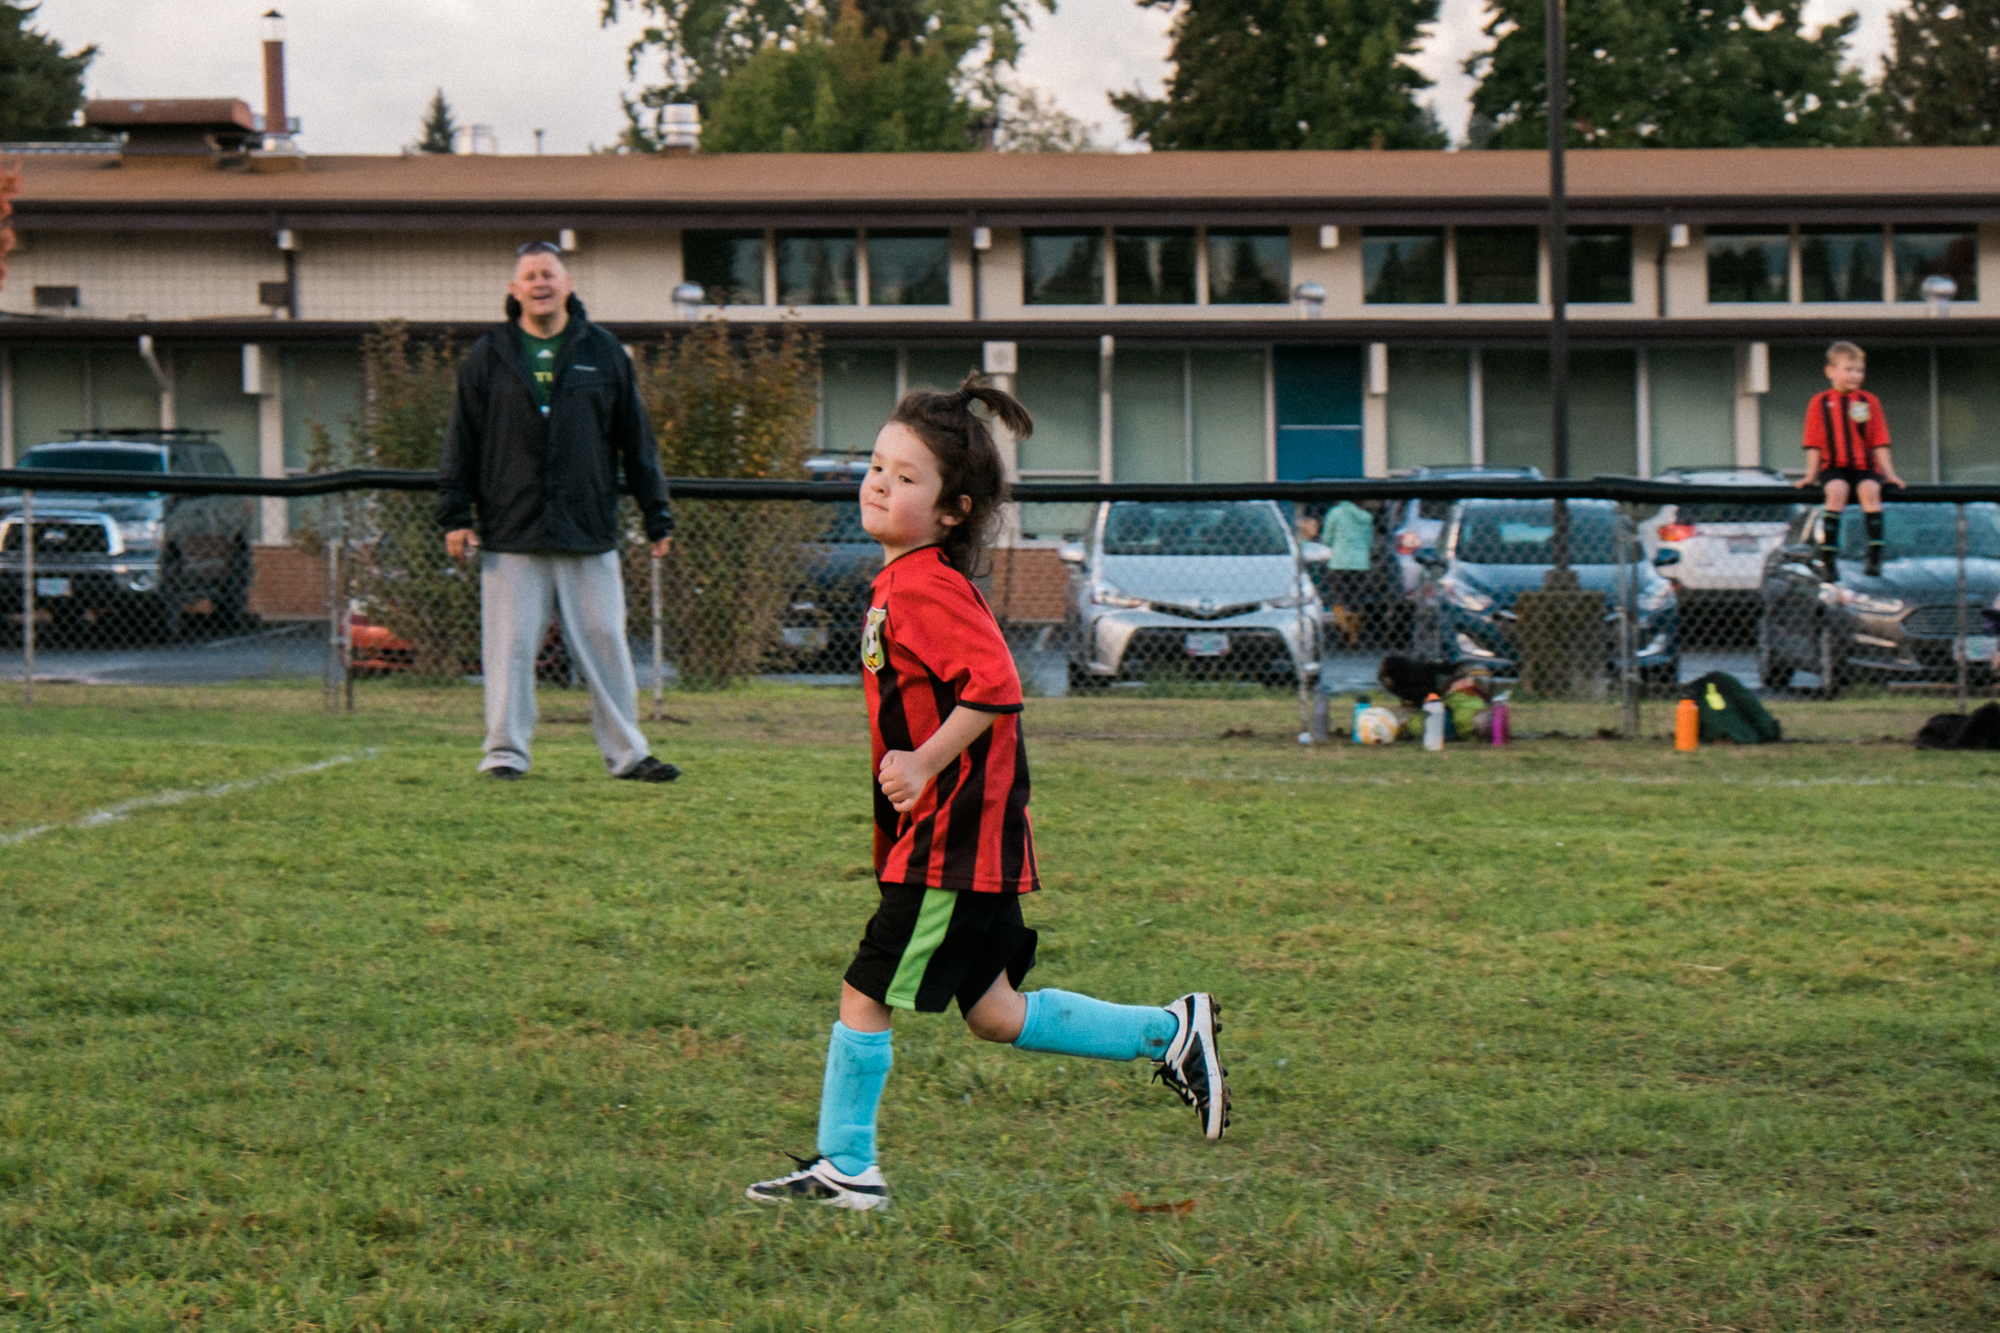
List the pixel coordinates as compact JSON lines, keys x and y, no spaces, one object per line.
{"x":1730,"y":711}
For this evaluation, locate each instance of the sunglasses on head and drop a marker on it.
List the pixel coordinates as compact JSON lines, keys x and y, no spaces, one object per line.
{"x":537,"y":248}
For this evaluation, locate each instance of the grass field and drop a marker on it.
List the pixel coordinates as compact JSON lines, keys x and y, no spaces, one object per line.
{"x":1576,"y":1034}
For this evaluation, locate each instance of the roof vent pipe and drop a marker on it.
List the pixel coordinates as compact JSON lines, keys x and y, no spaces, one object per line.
{"x":680,"y":127}
{"x":277,"y":127}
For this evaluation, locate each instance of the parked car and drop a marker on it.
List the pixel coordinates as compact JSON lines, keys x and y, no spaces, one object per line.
{"x":130,"y":559}
{"x":822,"y":629}
{"x":1209,"y":589}
{"x":1415,"y":525}
{"x":1492,"y":551}
{"x":1901,"y":624}
{"x":1723,"y":546}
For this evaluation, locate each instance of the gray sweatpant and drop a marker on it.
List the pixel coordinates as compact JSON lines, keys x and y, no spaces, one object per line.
{"x":518,"y":594}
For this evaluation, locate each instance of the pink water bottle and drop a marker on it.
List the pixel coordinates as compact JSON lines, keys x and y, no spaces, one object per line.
{"x":1500,"y":720}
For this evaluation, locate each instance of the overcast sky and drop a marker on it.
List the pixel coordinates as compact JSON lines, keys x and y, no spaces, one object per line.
{"x":362,"y":71}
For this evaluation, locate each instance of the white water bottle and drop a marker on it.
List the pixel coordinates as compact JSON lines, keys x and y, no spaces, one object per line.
{"x":1433,"y":723}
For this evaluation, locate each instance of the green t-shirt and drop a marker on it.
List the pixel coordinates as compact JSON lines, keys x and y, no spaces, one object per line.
{"x":542,"y":354}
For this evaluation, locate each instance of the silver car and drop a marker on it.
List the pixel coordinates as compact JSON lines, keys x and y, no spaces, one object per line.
{"x":1206,"y":590}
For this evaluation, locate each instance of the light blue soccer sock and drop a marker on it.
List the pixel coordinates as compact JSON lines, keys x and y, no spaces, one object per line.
{"x":857,"y":1065}
{"x":1065,"y":1024}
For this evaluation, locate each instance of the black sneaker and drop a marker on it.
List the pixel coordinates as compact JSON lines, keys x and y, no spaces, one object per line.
{"x":1874,"y":559}
{"x":649,"y":769}
{"x":1829,"y":563}
{"x":1192,"y":1066}
{"x":506,"y":773}
{"x":819,"y":1181}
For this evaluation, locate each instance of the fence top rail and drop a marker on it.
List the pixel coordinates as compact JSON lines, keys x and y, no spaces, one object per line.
{"x":1634,"y":490}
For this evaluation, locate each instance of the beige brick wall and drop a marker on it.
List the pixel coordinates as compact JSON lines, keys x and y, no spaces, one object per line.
{"x":155,"y":275}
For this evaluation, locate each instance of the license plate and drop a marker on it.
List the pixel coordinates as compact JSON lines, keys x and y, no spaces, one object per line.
{"x":1207,"y":645}
{"x":1744,"y":545}
{"x":1981,"y":647}
{"x":51,"y":587}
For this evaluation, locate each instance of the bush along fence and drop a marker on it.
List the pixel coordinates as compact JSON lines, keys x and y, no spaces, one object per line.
{"x":1564,"y":607}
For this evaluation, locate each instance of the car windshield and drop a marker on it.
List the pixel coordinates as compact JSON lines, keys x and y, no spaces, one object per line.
{"x":89,"y":458}
{"x":1520,"y":534}
{"x":1734,"y":513}
{"x":1928,"y":530}
{"x":1222,"y":528}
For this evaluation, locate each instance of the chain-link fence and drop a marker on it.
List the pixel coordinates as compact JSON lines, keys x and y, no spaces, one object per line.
{"x":1527,"y":607}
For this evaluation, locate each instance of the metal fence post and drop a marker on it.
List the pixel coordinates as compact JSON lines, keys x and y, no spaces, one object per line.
{"x":1628,"y":616}
{"x":659,"y":650}
{"x":1964,"y":653}
{"x":27,"y":599}
{"x":336,"y":659}
{"x":1299,"y":586}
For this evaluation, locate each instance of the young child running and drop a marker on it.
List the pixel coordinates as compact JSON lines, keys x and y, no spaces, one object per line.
{"x":953,"y":850}
{"x":1847,"y":447}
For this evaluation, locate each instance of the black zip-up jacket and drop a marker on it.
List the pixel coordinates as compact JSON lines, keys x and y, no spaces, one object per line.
{"x":549,"y":483}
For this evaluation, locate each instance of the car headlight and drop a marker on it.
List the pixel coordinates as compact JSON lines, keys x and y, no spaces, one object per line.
{"x":1297,"y":599}
{"x":1860,"y":601}
{"x":1106,"y":595}
{"x":1463,"y":595}
{"x":138,"y":533}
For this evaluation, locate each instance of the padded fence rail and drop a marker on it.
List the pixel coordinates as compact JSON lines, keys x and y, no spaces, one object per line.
{"x":1528,"y":606}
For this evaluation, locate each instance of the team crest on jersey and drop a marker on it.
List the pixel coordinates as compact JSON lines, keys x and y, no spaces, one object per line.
{"x":871,"y":638}
{"x":1857,"y":410}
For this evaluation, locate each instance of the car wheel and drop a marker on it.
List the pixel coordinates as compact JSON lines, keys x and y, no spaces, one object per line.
{"x":1773,"y":672}
{"x":169,"y":615}
{"x":1831,"y":664}
{"x":232,"y":598}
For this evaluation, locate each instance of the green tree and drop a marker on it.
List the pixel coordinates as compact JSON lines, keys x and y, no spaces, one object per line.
{"x":729,"y":404}
{"x":844,"y":91}
{"x":1290,"y":74}
{"x":40,"y":87}
{"x":1672,"y":74}
{"x":1941,"y":83}
{"x":700,"y":44}
{"x":439,"y":128}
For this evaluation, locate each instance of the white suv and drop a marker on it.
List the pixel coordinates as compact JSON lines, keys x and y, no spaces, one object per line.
{"x":1722,"y":546}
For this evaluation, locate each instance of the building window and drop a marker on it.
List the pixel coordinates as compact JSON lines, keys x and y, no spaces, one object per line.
{"x":1499,"y":265}
{"x":1249,"y":267}
{"x":1402,"y":266}
{"x":1840,"y":265}
{"x":1600,"y":266}
{"x":1952,"y":251}
{"x":857,"y":393}
{"x":909,"y":268}
{"x":816,"y":267}
{"x":1062,"y":267}
{"x":728,"y":265}
{"x":1155,"y":267}
{"x":1748,"y":265}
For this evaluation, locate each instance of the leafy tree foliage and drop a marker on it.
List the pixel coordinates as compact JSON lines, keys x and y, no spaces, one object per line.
{"x":1290,"y":74}
{"x":700,"y":44}
{"x":1672,"y":74}
{"x":1941,"y":84}
{"x":1031,"y":122}
{"x":439,"y":128}
{"x":848,"y":90}
{"x":40,"y":87}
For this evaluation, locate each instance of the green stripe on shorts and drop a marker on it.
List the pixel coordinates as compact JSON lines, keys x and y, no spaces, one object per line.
{"x":933,"y":918}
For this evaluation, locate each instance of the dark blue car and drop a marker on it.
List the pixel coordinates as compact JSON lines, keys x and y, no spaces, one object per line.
{"x":1491,"y":551}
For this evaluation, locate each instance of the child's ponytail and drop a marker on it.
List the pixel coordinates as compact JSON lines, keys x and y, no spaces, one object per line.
{"x":968,"y":460}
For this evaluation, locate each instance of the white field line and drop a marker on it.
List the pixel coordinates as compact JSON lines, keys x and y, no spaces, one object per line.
{"x":112,"y":814}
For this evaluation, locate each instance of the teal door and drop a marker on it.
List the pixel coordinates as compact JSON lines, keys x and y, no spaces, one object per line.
{"x":1318,"y":392}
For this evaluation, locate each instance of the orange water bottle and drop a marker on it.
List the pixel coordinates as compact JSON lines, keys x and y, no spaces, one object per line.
{"x":1687,"y":725}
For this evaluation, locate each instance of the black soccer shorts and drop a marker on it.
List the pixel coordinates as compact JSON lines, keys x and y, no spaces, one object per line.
{"x":924,"y":947}
{"x":1853,"y":476}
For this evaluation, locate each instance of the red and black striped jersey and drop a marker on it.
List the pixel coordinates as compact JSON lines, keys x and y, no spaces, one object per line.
{"x":1846,"y":428}
{"x":931,"y":645}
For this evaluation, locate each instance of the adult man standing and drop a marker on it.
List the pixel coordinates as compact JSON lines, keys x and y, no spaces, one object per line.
{"x":546,"y":417}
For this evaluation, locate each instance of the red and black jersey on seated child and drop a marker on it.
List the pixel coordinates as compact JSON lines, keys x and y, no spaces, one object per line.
{"x":1846,"y":428}
{"x":931,"y":645}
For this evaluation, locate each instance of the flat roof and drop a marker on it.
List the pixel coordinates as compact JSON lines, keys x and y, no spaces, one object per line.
{"x":643,"y":190}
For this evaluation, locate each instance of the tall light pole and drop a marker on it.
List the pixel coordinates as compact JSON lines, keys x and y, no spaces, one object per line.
{"x":1560,"y":575}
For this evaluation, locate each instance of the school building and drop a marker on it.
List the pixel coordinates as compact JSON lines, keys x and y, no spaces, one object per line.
{"x":1166,"y":316}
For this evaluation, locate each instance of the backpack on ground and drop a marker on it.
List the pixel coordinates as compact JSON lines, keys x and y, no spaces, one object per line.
{"x":1977,"y":730}
{"x":1730,"y":711}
